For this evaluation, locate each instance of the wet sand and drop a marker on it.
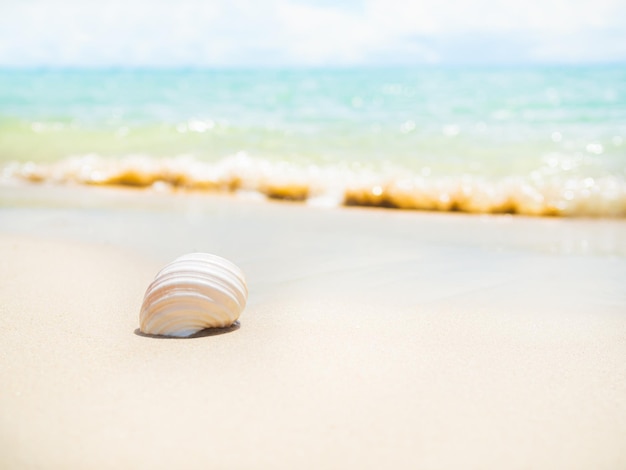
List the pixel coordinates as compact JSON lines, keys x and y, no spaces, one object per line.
{"x":372,"y":338}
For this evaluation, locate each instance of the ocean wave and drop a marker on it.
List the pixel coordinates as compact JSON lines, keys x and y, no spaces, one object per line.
{"x":542,"y":193}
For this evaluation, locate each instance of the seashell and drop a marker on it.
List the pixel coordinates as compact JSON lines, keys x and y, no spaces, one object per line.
{"x":193,"y":292}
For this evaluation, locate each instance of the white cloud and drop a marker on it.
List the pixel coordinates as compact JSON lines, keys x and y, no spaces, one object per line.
{"x":300,"y":32}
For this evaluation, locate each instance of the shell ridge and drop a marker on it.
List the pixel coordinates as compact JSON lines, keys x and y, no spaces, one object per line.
{"x":211,"y":290}
{"x":175,"y":280}
{"x":193,"y":306}
{"x":166,"y":323}
{"x":179,"y":278}
{"x":229,"y":277}
{"x":204,"y":264}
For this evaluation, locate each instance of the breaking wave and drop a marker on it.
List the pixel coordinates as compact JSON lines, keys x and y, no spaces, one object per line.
{"x":542,"y":193}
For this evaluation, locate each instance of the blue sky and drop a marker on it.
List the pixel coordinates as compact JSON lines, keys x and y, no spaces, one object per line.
{"x":224,"y":33}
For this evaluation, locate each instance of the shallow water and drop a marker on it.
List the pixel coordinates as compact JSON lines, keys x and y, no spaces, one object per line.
{"x":539,"y":141}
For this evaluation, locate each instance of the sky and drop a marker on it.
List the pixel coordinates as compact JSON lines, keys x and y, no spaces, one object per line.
{"x":248,"y":33}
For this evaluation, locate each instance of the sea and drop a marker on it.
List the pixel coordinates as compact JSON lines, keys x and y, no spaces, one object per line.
{"x":530,"y":140}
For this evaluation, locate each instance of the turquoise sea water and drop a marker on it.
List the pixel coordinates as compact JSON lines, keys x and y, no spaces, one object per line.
{"x":539,"y":140}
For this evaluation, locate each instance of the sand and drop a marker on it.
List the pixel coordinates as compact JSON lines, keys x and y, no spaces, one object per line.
{"x":372,"y":338}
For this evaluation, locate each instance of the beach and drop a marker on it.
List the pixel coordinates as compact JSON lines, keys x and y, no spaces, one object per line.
{"x":372,"y":337}
{"x":427,"y":200}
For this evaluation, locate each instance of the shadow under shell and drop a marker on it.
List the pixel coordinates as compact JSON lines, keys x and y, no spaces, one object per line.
{"x":200,"y":334}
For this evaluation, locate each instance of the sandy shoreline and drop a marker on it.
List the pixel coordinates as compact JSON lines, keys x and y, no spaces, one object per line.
{"x":372,"y":338}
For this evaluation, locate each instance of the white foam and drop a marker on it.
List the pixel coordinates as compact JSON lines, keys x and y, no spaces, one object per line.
{"x":553,"y":189}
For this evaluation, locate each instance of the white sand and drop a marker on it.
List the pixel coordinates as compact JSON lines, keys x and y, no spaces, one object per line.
{"x":372,"y":339}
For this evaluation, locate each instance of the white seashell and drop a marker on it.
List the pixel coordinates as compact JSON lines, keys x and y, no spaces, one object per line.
{"x":193,"y":292}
